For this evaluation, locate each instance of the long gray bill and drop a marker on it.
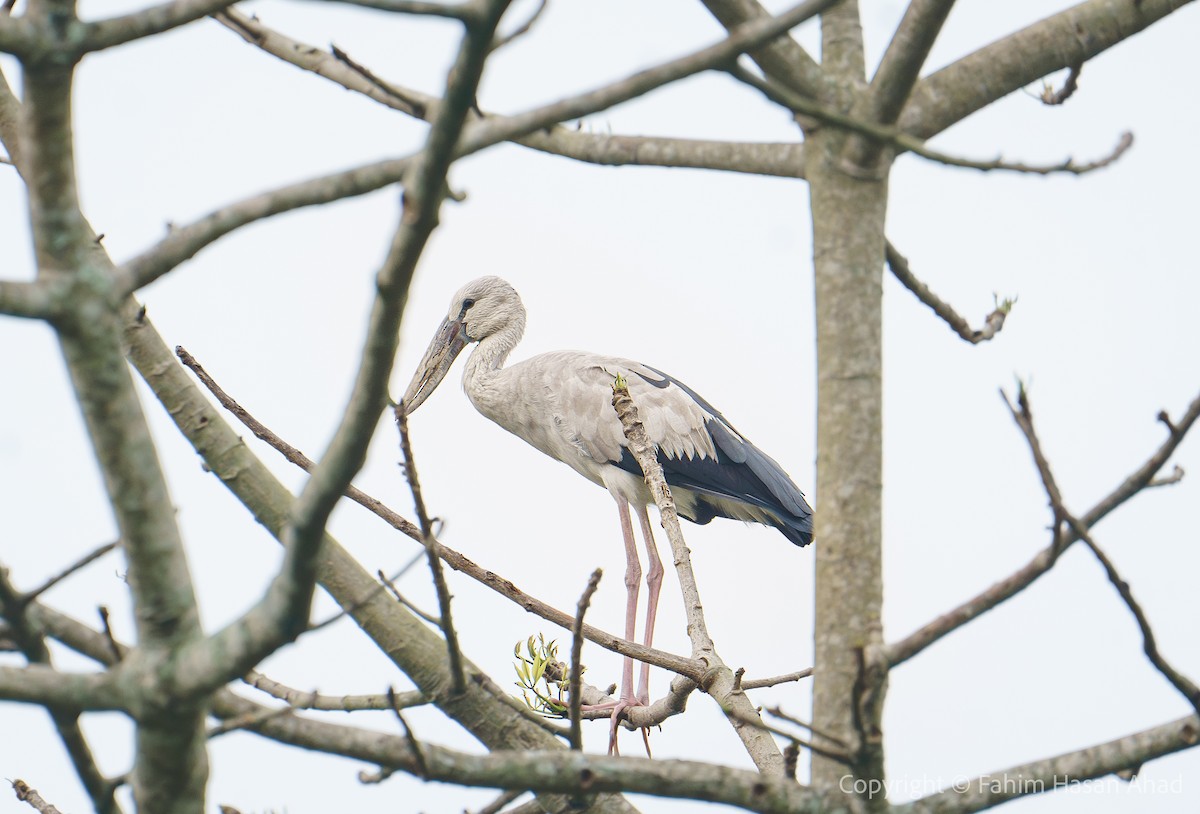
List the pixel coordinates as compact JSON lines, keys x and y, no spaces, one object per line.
{"x":447,"y":343}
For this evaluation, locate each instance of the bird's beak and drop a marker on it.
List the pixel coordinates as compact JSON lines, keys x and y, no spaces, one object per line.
{"x":448,"y":342}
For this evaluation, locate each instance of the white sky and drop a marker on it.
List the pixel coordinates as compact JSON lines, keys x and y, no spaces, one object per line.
{"x":1105,"y":330}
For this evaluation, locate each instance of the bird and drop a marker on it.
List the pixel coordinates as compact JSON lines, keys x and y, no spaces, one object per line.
{"x":560,"y":403}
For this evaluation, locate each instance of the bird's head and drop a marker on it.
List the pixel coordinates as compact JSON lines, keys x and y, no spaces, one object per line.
{"x":481,"y":308}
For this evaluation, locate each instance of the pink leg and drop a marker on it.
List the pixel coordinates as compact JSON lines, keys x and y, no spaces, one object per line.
{"x":633,"y":578}
{"x":654,"y":575}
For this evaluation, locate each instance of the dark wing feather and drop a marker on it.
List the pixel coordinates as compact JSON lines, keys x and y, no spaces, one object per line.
{"x":741,"y":473}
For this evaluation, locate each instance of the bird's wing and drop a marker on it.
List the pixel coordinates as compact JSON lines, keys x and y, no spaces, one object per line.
{"x":675,"y":422}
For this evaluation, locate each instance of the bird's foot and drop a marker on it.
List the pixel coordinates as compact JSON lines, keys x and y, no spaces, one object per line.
{"x":617,"y":710}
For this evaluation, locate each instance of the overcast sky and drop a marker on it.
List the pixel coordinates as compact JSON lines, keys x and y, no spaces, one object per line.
{"x":1105,"y":331}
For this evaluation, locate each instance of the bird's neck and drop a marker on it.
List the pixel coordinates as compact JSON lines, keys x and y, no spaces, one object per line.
{"x":481,"y":378}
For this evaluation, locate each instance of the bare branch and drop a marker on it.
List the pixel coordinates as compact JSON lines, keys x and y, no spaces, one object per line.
{"x":1060,"y":772}
{"x":78,"y":565}
{"x":1020,"y":579}
{"x":576,"y":674}
{"x":523,"y":29}
{"x":1068,"y":38}
{"x":781,"y":160}
{"x":146,"y":23}
{"x":446,"y":621}
{"x":460,"y":11}
{"x":1023,"y":415}
{"x":1050,"y":96}
{"x":28,"y":795}
{"x":758,"y":683}
{"x":784,"y":60}
{"x":747,"y":37}
{"x":1185,"y":685}
{"x":992,"y":323}
{"x":897,"y":74}
{"x":900,"y":140}
{"x":296,"y":699}
{"x":184,"y":242}
{"x":27,"y":638}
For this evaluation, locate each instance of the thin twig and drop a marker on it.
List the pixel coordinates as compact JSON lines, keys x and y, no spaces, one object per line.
{"x":1050,"y":96}
{"x":520,"y":30}
{"x":759,"y":683}
{"x":458,"y":676}
{"x":1023,"y":415}
{"x":78,"y":565}
{"x":576,"y":676}
{"x":251,"y":721}
{"x":992,"y":323}
{"x":422,"y":770}
{"x":1020,"y":579}
{"x":28,"y":795}
{"x":1185,"y":685}
{"x":384,"y":584}
{"x":903,"y":142}
{"x":113,"y":646}
{"x":778,"y":712}
{"x":387,"y":583}
{"x":298,"y":699}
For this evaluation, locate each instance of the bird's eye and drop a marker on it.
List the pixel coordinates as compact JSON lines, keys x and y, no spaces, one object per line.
{"x":467,"y":304}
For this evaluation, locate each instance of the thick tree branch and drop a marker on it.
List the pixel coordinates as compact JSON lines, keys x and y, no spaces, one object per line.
{"x":897,"y":74}
{"x":184,"y":242}
{"x":103,"y":34}
{"x":783,"y":160}
{"x":1061,"y":771}
{"x":1060,"y":41}
{"x":1010,"y":586}
{"x":13,"y":608}
{"x":903,"y":142}
{"x":992,"y":323}
{"x":784,"y":60}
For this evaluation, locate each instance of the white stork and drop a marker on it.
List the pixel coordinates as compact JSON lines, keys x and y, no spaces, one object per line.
{"x":561,"y":403}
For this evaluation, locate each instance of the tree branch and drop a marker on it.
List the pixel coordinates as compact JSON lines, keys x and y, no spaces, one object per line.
{"x":992,"y":323}
{"x":146,"y":23}
{"x":784,"y":60}
{"x":297,"y":699}
{"x":445,"y":620}
{"x":897,"y":74}
{"x":781,"y":160}
{"x":184,"y":242}
{"x":14,"y":607}
{"x":1023,"y":415}
{"x":1020,"y":579}
{"x":1060,"y":41}
{"x":1059,"y":772}
{"x":903,"y":142}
